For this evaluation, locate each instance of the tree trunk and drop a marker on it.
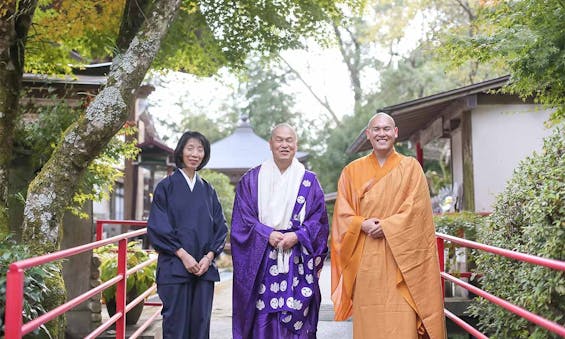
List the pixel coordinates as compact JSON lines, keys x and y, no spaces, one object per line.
{"x":15,"y":20}
{"x":135,"y":12}
{"x":352,"y":57}
{"x":52,"y":189}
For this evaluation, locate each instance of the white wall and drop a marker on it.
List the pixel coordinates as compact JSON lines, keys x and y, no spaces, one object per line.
{"x":503,"y":135}
{"x":101,"y":209}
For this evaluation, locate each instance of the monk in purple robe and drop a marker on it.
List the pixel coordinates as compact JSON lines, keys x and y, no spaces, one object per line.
{"x":279,"y":242}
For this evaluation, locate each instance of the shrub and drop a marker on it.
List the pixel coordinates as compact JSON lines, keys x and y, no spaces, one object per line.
{"x":36,"y":289}
{"x":225,"y":191}
{"x":528,"y":217}
{"x":462,"y":225}
{"x":141,"y":280}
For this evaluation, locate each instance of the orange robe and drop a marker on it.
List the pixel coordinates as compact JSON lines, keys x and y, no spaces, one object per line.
{"x":391,"y":286}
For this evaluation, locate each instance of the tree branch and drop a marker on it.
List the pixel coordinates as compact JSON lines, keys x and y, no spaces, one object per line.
{"x":467,"y":9}
{"x":352,"y":63}
{"x":132,"y":20}
{"x":324,"y":102}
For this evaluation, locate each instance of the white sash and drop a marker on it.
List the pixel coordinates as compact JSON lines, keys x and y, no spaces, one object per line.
{"x":277,"y":195}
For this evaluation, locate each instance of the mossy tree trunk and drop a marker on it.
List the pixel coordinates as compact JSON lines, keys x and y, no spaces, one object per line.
{"x":53,"y":188}
{"x":15,"y":20}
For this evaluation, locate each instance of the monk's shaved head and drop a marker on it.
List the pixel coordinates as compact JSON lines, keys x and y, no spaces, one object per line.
{"x":381,"y":115}
{"x":382,"y":133}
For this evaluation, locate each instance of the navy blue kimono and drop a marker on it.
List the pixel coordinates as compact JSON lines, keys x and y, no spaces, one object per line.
{"x":193,"y":220}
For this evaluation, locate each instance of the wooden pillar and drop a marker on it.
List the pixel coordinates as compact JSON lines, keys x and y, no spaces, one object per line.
{"x":80,"y":275}
{"x":468,"y":176}
{"x":420,"y":154}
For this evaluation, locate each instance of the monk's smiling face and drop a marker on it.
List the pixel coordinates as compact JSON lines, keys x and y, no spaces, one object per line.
{"x":283,"y":144}
{"x":382,"y":134}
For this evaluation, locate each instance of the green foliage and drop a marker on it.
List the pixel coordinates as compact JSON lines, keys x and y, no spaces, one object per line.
{"x":529,"y":217}
{"x":527,"y":38}
{"x":268,"y":26}
{"x":204,"y":36}
{"x":42,"y":132}
{"x":36,"y":288}
{"x":406,"y":76}
{"x":190,"y":45}
{"x":418,"y":74}
{"x":224,"y":189}
{"x":211,"y":128}
{"x":462,"y":225}
{"x":438,"y":175}
{"x":61,"y":30}
{"x":44,"y":126}
{"x":141,"y":280}
{"x":330,"y":161}
{"x":102,"y":173}
{"x":268,"y":104}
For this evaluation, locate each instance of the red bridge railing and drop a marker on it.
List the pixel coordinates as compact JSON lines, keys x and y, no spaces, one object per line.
{"x":536,"y":319}
{"x":14,"y":326}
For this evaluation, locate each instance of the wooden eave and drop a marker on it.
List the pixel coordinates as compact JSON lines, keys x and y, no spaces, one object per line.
{"x":415,"y":115}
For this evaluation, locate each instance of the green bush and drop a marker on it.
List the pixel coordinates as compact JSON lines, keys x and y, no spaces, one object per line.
{"x":141,"y":280}
{"x":225,"y":191}
{"x":462,"y":225}
{"x":528,"y":217}
{"x":36,"y":289}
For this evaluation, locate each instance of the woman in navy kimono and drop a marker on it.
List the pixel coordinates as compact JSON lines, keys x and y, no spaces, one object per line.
{"x":187,"y":228}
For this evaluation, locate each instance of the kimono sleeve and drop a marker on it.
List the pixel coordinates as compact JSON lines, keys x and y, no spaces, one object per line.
{"x":220,"y":226}
{"x":245,"y":218}
{"x":314,"y":231}
{"x":161,"y":233}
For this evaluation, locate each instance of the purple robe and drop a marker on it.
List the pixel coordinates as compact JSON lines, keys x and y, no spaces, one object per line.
{"x":252,"y":256}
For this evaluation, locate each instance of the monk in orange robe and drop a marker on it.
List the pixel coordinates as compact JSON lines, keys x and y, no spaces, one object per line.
{"x":385,"y":268}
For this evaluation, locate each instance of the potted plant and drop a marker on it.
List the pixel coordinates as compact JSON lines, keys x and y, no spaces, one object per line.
{"x":137,"y":283}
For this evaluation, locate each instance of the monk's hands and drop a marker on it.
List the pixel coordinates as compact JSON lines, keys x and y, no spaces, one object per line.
{"x":190,"y":264}
{"x":289,"y":239}
{"x":372,"y":227}
{"x":283,"y":241}
{"x":275,"y":238}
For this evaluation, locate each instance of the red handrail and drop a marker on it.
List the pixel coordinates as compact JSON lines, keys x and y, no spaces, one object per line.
{"x":536,"y":319}
{"x":470,"y":329}
{"x":441,"y":258}
{"x":14,"y":327}
{"x":15,"y":281}
{"x":100,"y":224}
{"x":551,"y":263}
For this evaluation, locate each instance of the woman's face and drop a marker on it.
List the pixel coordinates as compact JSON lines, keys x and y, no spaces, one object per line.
{"x":192,"y":154}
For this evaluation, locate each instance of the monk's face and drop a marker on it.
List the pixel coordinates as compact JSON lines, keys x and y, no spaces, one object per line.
{"x":192,"y":154}
{"x":382,"y":134}
{"x":283,"y":144}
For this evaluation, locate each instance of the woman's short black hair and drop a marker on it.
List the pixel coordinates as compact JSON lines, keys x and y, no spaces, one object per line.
{"x":182,"y":142}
